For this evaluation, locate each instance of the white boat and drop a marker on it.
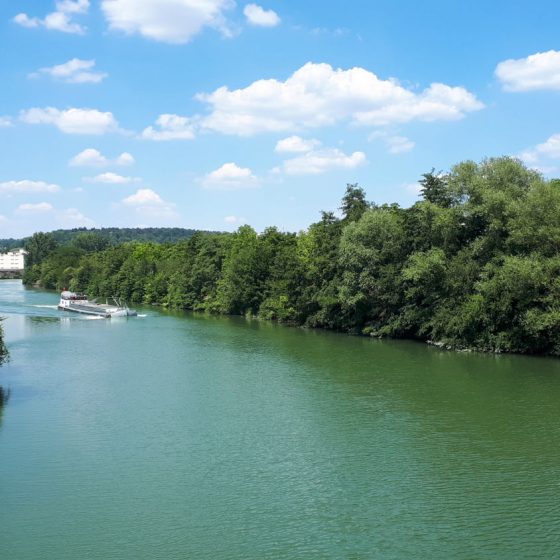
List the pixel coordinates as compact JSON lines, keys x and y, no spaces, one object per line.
{"x":79,"y":303}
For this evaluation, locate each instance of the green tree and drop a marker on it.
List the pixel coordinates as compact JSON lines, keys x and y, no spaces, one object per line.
{"x":39,"y":246}
{"x":434,"y":189}
{"x":354,"y":203}
{"x":90,"y":242}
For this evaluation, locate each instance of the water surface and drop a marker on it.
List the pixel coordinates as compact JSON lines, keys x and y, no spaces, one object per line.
{"x":176,"y":436}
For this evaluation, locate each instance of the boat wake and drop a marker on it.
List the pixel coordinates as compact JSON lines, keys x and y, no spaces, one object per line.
{"x":45,"y":306}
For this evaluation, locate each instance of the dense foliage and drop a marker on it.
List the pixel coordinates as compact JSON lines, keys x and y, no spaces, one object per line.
{"x":475,"y":263}
{"x":110,"y":236}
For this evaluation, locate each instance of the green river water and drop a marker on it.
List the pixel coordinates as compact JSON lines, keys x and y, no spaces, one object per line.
{"x":177,"y":436}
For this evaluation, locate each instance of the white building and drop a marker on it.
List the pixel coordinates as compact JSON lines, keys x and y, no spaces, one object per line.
{"x":12,"y":260}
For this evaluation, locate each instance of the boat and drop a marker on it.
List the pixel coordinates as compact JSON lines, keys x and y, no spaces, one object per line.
{"x":79,"y":303}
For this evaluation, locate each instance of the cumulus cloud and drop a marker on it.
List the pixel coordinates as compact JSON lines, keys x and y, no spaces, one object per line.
{"x":319,"y":161}
{"x":149,"y":205}
{"x":230,"y":177}
{"x":170,"y":21}
{"x":318,"y":95}
{"x":125,"y":159}
{"x":75,"y":71}
{"x":72,"y":121}
{"x":5,"y":122}
{"x":540,"y":71}
{"x":296,"y":144}
{"x":395,"y":144}
{"x":543,"y":157}
{"x":29,"y":208}
{"x":143,"y":197}
{"x":28,"y":186}
{"x":90,"y":157}
{"x":260,"y":17}
{"x":549,"y":149}
{"x":59,"y":20}
{"x":233,"y":220}
{"x":170,"y":127}
{"x":72,"y":217}
{"x":399,"y":144}
{"x":111,"y":178}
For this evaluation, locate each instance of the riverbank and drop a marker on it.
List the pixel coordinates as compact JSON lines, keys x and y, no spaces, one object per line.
{"x":11,"y":274}
{"x":456,"y":268}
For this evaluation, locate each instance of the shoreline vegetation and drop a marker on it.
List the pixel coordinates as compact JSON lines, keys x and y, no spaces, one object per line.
{"x":3,"y":348}
{"x":474,"y":264}
{"x":4,"y":393}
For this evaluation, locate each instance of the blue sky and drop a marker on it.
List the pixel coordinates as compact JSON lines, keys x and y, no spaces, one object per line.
{"x":211,"y":114}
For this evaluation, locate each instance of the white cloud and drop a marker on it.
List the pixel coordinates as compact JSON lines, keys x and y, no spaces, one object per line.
{"x":395,"y":144}
{"x":5,"y":122}
{"x":320,"y":161}
{"x":59,"y":20}
{"x":170,"y":127}
{"x":330,"y":32}
{"x":111,"y":178}
{"x":149,"y":205}
{"x":143,"y":197}
{"x":296,"y":144}
{"x":234,"y":220}
{"x":538,"y":71}
{"x":72,"y":217}
{"x":72,"y":121}
{"x":27,"y":186}
{"x":399,"y":144}
{"x":90,"y":157}
{"x":25,"y":21}
{"x":170,"y":21}
{"x":319,"y":95}
{"x":542,"y":155}
{"x":230,"y":177}
{"x":75,"y":71}
{"x":550,"y":148}
{"x":259,"y":16}
{"x":125,"y":159}
{"x":29,"y":208}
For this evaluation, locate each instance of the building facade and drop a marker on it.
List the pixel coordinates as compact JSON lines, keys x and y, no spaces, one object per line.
{"x":12,"y":260}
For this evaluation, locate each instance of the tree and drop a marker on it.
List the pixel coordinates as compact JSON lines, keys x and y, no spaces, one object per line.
{"x":90,"y":242}
{"x":435,"y":189}
{"x":354,"y":203}
{"x":39,"y":246}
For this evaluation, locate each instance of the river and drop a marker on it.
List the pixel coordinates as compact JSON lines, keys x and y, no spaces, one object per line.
{"x":179,"y":436}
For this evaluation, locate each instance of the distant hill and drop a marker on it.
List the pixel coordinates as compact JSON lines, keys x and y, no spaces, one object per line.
{"x":114,"y":235}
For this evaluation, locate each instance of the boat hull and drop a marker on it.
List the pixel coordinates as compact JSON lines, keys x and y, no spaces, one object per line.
{"x":99,"y":311}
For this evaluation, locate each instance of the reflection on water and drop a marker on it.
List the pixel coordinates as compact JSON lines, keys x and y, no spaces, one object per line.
{"x":4,"y":397}
{"x":39,"y":320}
{"x":4,"y":393}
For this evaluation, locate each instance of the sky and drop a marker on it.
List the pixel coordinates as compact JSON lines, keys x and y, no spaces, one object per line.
{"x":209,"y":114}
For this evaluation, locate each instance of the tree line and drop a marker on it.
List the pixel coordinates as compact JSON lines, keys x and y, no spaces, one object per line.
{"x":474,"y":264}
{"x":107,"y":236}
